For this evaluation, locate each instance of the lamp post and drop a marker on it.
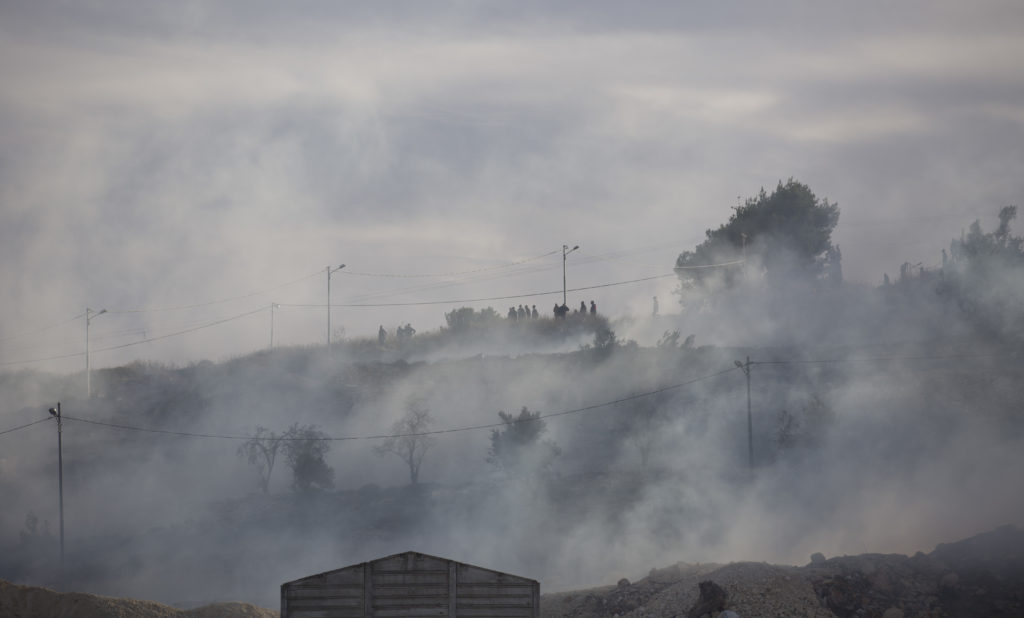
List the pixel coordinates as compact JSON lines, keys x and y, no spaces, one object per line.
{"x":55,"y":412}
{"x":565,"y":251}
{"x":329,"y":271}
{"x":272,"y":307}
{"x":89,"y":315}
{"x":750,"y":421}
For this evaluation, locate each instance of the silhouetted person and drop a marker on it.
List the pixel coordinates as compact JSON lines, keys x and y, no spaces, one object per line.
{"x":583,"y":306}
{"x":512,"y":313}
{"x":593,"y":308}
{"x":521,"y":313}
{"x":654,"y":309}
{"x":535,"y":314}
{"x":381,"y":335}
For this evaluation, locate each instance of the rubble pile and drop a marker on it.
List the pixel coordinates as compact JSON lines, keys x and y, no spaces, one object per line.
{"x":980,"y":576}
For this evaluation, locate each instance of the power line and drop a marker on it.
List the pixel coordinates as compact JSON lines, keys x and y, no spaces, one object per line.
{"x":595,"y":406}
{"x":139,"y":342}
{"x":215,"y":302}
{"x":475,"y":300}
{"x":451,"y":274}
{"x":13,"y":429}
{"x":878,"y":359}
{"x":42,"y":328}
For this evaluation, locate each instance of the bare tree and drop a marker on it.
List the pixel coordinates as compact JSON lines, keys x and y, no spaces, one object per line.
{"x":409,"y":440}
{"x":261,"y":451}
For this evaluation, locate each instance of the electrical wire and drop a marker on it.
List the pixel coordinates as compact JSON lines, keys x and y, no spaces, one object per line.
{"x":476,"y":300}
{"x":595,"y":406}
{"x":41,"y":329}
{"x":879,"y":359}
{"x":215,"y":302}
{"x":451,"y":274}
{"x":141,"y":341}
{"x":13,"y":429}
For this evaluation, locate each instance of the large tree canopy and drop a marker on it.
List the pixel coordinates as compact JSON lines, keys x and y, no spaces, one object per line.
{"x":789,"y":233}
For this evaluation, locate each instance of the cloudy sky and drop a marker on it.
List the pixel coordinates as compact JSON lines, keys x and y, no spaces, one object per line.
{"x":185,"y":165}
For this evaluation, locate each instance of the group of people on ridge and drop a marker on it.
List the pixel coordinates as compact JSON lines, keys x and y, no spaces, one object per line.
{"x":522,"y":313}
{"x":563,"y":310}
{"x":401,"y":333}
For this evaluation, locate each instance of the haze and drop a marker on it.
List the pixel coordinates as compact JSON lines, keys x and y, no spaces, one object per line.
{"x":193,"y":170}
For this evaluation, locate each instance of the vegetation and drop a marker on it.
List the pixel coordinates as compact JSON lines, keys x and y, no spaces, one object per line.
{"x":787,"y":234}
{"x":517,"y":446}
{"x":304,"y":450}
{"x":261,"y":451}
{"x":409,"y":441}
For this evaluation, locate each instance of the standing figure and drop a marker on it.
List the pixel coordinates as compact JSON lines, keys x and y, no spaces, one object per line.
{"x":381,"y":335}
{"x":583,"y":306}
{"x":535,"y":314}
{"x":593,"y":308}
{"x":654,"y":310}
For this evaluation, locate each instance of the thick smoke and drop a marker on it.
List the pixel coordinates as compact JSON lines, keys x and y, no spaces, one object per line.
{"x":884,"y":420}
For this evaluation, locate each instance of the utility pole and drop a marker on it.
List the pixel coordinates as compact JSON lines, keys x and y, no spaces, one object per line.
{"x":750,"y":419}
{"x":272,"y":307}
{"x":89,"y":315}
{"x":330,"y":270}
{"x":565,"y":251}
{"x":55,"y":412}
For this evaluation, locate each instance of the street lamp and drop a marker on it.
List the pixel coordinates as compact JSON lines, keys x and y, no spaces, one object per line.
{"x":55,"y":412}
{"x":89,"y":315}
{"x":272,"y":307}
{"x":330,"y":270}
{"x":750,"y":422}
{"x":565,"y":251}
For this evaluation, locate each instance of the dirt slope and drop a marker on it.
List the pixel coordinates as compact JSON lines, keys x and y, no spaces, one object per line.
{"x":31,"y":602}
{"x":979,"y":576}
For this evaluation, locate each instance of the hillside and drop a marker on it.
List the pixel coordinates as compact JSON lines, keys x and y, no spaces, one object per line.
{"x":979,"y":576}
{"x":638,"y":456}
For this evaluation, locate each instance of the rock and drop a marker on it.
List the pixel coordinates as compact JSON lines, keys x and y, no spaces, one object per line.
{"x":623,"y":583}
{"x":712,"y":599}
{"x":950,"y":580}
{"x":817,"y":558}
{"x":893,"y":612}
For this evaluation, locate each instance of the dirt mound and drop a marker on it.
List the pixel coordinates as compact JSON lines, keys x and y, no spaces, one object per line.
{"x":980,"y":576}
{"x":31,"y":602}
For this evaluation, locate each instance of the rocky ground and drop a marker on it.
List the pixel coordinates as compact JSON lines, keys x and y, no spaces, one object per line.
{"x":31,"y":602}
{"x":979,"y":577}
{"x":982,"y":576}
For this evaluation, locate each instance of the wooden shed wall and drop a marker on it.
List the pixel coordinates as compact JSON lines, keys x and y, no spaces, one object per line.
{"x":411,"y":585}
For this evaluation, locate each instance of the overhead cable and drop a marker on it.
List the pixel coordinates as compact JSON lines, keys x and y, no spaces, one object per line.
{"x":13,"y":429}
{"x":475,"y":300}
{"x":595,"y":406}
{"x":451,"y":274}
{"x":215,"y":302}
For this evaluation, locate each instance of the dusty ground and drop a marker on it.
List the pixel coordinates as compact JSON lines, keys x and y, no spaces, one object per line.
{"x":980,"y":576}
{"x":31,"y":602}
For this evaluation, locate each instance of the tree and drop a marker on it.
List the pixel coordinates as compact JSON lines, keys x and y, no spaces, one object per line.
{"x":985,"y":275}
{"x":517,"y":446}
{"x":465,"y":318}
{"x":788,"y":232}
{"x":261,"y":451}
{"x":642,"y":425}
{"x":304,"y":450}
{"x":409,"y":441}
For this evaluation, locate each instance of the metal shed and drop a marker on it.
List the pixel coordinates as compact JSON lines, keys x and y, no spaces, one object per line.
{"x":411,"y":585}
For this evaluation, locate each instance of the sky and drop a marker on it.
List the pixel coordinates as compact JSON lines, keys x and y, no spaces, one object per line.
{"x":187,"y":165}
